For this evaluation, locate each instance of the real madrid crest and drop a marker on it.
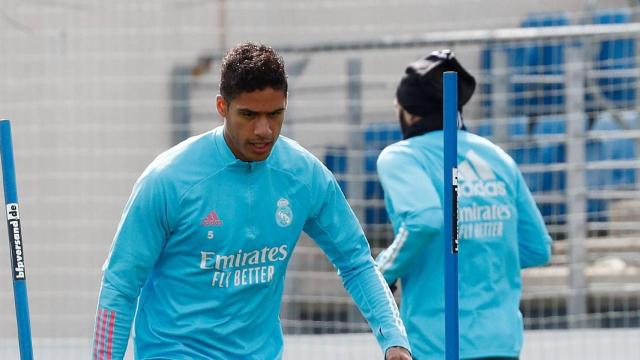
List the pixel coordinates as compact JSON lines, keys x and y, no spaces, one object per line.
{"x":284,"y":215}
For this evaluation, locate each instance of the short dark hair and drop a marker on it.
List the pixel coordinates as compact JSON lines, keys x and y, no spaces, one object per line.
{"x":249,"y":67}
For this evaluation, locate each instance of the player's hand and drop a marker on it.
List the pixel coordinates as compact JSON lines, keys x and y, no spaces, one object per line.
{"x":398,"y":353}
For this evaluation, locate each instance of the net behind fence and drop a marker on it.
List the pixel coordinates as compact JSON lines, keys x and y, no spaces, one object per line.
{"x":95,"y":91}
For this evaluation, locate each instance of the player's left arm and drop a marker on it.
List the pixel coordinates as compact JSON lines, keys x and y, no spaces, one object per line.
{"x":335,"y":228}
{"x":534,"y":242}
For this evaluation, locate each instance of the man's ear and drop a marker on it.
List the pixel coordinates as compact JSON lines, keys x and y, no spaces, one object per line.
{"x":407,"y":118}
{"x":221,"y":106}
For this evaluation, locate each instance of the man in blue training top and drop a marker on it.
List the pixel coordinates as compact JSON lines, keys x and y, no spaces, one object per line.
{"x":202,"y":248}
{"x":500,"y":227}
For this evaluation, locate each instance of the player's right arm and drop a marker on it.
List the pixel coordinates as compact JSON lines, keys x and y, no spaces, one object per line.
{"x":415,"y":201}
{"x":138,"y":242}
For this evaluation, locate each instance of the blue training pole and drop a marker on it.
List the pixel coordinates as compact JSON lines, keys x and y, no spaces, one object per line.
{"x":450,"y":116}
{"x":15,"y":241}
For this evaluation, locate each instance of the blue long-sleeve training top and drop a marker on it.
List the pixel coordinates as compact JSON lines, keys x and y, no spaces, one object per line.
{"x":500,"y":231}
{"x":202,"y":248}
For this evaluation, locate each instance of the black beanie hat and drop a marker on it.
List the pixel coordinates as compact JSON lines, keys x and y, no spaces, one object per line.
{"x":420,"y":89}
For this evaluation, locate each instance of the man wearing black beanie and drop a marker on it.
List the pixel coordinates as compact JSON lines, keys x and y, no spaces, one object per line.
{"x":420,"y":92}
{"x":500,"y":228}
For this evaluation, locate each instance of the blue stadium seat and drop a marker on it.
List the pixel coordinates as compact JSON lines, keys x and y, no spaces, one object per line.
{"x":517,"y":127}
{"x":485,"y":88}
{"x":620,"y":90}
{"x":618,"y":54}
{"x":376,"y":137}
{"x":379,"y":135}
{"x":610,"y":149}
{"x":538,"y":98}
{"x":539,"y":152}
{"x":535,"y":151}
{"x":482,"y":128}
{"x":529,"y":64}
{"x":373,"y":190}
{"x":335,"y":159}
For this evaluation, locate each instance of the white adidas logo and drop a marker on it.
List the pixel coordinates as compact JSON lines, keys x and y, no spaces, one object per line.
{"x":476,"y":178}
